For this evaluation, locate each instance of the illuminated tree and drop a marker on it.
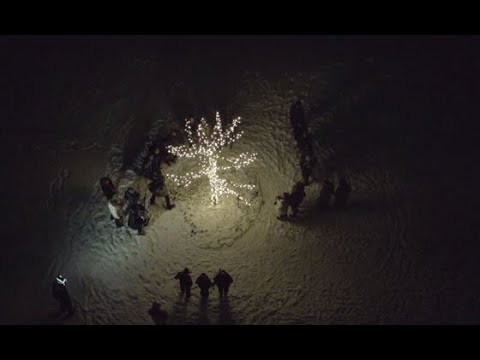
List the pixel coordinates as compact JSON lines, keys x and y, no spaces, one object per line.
{"x":207,"y":147}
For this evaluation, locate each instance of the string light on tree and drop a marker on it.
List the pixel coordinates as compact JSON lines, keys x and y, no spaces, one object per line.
{"x":207,"y":147}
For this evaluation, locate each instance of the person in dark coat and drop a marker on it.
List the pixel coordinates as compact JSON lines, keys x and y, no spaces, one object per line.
{"x":138,"y":218}
{"x":158,"y":315}
{"x":342,"y":193}
{"x":296,"y":197}
{"x":223,"y":281}
{"x":153,"y":167}
{"x":204,"y":283}
{"x":131,"y":196}
{"x":185,"y":281}
{"x":60,"y":294}
{"x":325,"y":194}
{"x":107,"y":187}
{"x":159,"y":188}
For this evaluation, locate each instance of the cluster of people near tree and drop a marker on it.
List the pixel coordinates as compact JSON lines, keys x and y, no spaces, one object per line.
{"x":290,"y":201}
{"x":287,"y":205}
{"x":129,"y":208}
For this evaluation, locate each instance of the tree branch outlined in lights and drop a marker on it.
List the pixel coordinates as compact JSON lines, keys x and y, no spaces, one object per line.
{"x":207,"y":148}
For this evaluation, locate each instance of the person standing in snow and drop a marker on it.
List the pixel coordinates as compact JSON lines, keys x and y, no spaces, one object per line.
{"x":204,"y":283}
{"x":138,"y":218}
{"x":115,"y":207}
{"x":159,"y":188}
{"x":296,"y":197}
{"x":158,"y":315}
{"x":185,"y":281}
{"x":131,"y":196}
{"x":154,"y":164}
{"x":281,"y":204}
{"x":342,"y":193}
{"x":107,"y":187}
{"x":325,"y":194}
{"x":60,"y":293}
{"x":223,"y":280}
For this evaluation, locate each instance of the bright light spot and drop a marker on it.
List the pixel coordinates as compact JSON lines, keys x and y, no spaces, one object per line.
{"x":207,"y":149}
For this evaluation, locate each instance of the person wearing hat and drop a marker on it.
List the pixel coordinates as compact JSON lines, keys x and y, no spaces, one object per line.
{"x":60,"y":293}
{"x":185,"y":282}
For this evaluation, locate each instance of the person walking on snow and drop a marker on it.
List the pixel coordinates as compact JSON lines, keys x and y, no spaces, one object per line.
{"x":223,"y":280}
{"x":60,"y":293}
{"x":296,"y":197}
{"x":185,"y":281}
{"x":204,"y":283}
{"x":281,"y":205}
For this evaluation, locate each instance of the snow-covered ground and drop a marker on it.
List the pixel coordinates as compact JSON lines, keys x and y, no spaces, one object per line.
{"x":377,"y":262}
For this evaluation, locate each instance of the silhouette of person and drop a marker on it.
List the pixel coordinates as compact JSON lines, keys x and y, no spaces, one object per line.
{"x":296,"y":197}
{"x":281,"y":205}
{"x":204,"y":283}
{"x":158,"y":188}
{"x":60,"y":293}
{"x":342,"y":193}
{"x":108,"y":188}
{"x":223,"y":281}
{"x":185,"y":281}
{"x":138,"y":218}
{"x":131,"y":196}
{"x":153,"y":166}
{"x":158,"y":315}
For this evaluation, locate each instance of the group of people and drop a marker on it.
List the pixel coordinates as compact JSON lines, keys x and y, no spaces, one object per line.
{"x":129,"y":206}
{"x":290,"y":201}
{"x":222,"y":280}
{"x":304,"y":144}
{"x":126,"y":208}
